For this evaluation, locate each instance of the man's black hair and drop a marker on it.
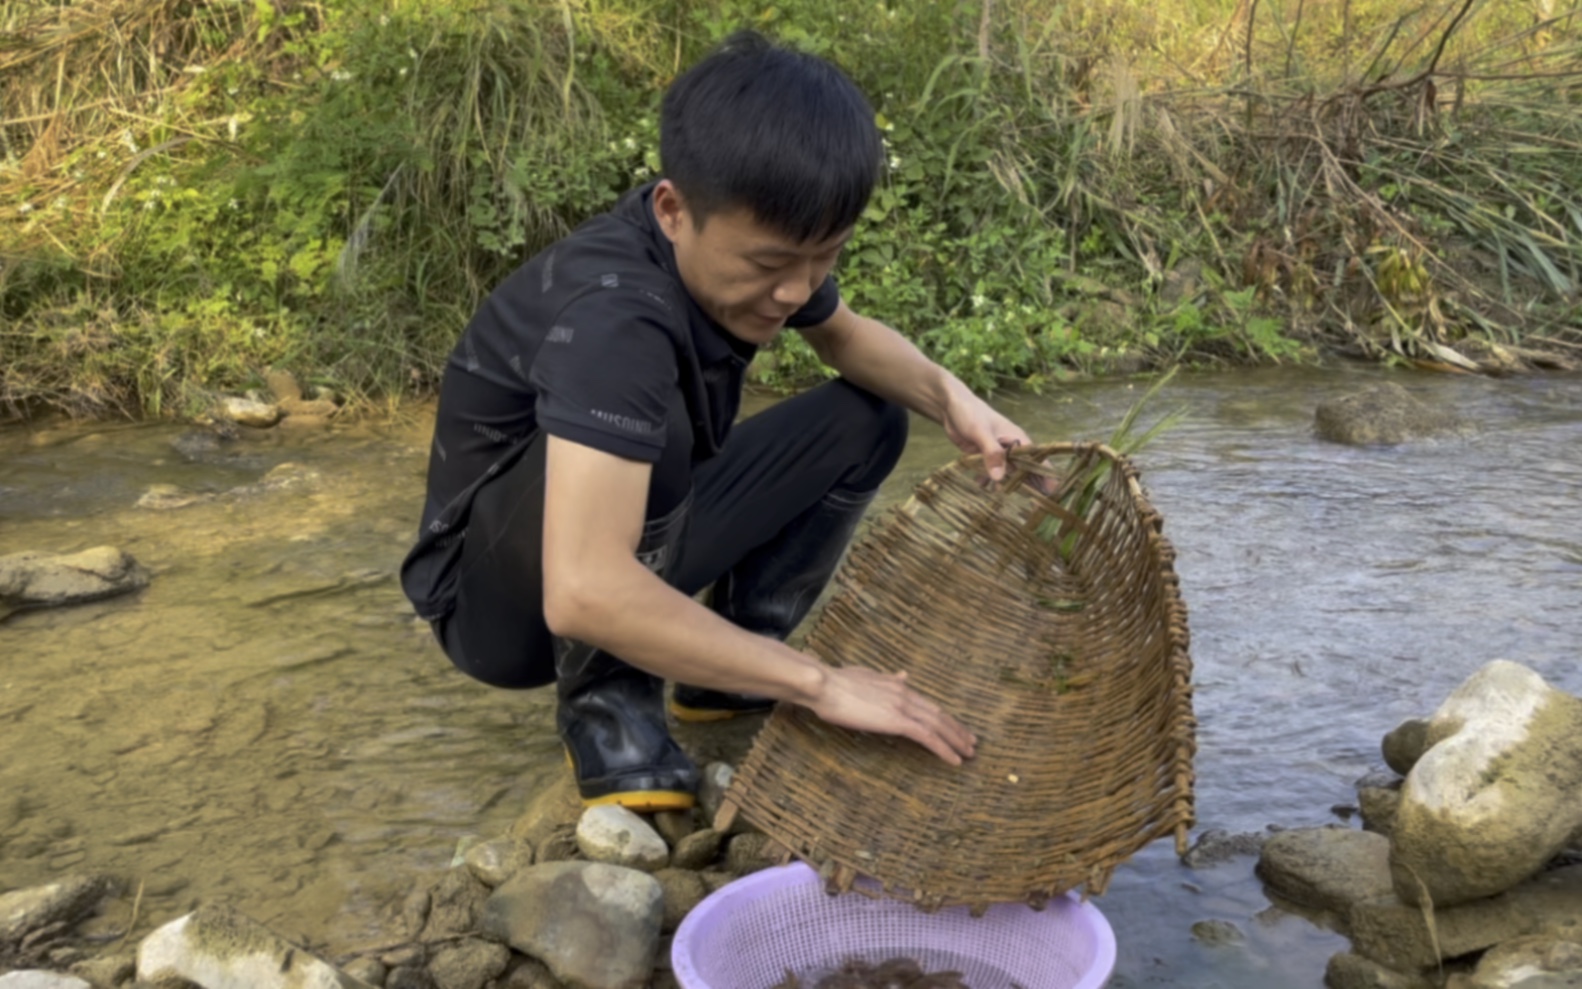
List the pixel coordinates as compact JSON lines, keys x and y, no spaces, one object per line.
{"x":783,"y":134}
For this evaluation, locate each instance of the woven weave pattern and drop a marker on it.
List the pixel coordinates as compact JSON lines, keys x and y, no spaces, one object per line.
{"x":1052,"y":625}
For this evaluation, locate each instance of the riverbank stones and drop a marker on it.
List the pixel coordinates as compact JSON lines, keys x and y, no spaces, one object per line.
{"x":1530,"y":963}
{"x":218,"y":948}
{"x":1384,"y":414}
{"x":616,"y":836}
{"x":594,"y":925}
{"x":32,"y":579}
{"x":65,"y":902}
{"x":249,"y":412}
{"x":1493,"y":797}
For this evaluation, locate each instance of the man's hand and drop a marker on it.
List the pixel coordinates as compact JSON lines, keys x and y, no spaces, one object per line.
{"x":867,"y":700}
{"x":974,"y":426}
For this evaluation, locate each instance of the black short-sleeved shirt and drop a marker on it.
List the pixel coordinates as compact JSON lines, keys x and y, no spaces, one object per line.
{"x":593,"y":340}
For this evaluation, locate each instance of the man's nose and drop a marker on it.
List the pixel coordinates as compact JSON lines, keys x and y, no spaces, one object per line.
{"x":795,"y":289}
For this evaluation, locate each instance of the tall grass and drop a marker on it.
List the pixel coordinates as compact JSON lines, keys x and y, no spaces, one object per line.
{"x":194,"y":190}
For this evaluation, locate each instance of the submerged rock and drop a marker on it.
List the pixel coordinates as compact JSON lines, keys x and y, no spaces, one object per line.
{"x":454,"y":904}
{"x":1328,"y":868}
{"x":1494,"y":797}
{"x":1215,"y":847}
{"x":66,"y":901}
{"x":595,"y":925}
{"x":1383,"y":414}
{"x":221,"y":949}
{"x":39,"y":580}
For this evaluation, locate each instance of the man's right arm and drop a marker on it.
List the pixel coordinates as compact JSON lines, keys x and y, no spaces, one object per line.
{"x":598,"y":592}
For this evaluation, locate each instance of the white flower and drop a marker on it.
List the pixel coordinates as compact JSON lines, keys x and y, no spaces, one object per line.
{"x":895,"y":162}
{"x":631,"y":143}
{"x":25,"y":209}
{"x":978,"y":302}
{"x":340,"y":75}
{"x":130,"y":141}
{"x":641,"y":172}
{"x":233,"y":205}
{"x":402,"y":73}
{"x":60,"y":202}
{"x":150,"y":203}
{"x":100,"y":155}
{"x":987,"y":358}
{"x":384,"y":20}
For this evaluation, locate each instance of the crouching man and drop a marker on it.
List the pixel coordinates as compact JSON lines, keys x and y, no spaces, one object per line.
{"x":586,"y":479}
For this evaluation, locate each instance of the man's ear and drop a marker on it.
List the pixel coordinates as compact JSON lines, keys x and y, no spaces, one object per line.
{"x":670,"y":209}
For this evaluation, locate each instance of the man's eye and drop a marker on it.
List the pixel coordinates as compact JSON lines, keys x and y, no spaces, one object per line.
{"x":765,"y":266}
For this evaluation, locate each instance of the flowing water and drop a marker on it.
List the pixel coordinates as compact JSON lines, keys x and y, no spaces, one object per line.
{"x":266,"y":725}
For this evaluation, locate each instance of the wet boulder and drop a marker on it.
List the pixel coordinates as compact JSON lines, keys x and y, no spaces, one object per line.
{"x":697,"y":850}
{"x":1349,"y":971}
{"x":493,"y":862}
{"x":39,"y":580}
{"x":1494,"y":796}
{"x":1216,"y":847}
{"x":594,"y":925}
{"x":454,"y":904}
{"x":1328,"y":868}
{"x":1384,"y":414}
{"x":218,"y":948}
{"x":65,"y":902}
{"x":1530,"y":963}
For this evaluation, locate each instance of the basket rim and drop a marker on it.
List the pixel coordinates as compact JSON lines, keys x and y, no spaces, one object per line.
{"x":799,"y":873}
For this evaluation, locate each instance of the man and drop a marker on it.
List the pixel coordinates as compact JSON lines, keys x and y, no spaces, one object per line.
{"x":586,"y":479}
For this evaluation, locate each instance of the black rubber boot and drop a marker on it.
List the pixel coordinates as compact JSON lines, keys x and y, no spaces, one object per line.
{"x":611,"y":715}
{"x":773,"y":589}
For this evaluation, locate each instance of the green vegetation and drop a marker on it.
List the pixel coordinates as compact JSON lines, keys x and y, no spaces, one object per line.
{"x":194,"y":190}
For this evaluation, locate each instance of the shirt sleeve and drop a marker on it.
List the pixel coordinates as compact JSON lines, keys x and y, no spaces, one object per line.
{"x":822,"y":305}
{"x":606,"y":376}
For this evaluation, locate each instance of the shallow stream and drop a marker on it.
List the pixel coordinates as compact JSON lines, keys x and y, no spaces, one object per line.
{"x":267,"y":725}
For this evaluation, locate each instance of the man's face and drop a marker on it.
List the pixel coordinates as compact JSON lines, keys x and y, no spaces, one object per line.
{"x":749,"y":278}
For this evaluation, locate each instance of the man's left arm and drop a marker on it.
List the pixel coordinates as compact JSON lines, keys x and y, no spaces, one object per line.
{"x":873,"y":356}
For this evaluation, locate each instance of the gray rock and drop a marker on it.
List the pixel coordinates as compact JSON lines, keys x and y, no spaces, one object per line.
{"x":108,"y":971}
{"x":1328,"y":868}
{"x":1217,"y":932}
{"x":468,"y":964}
{"x":697,"y":850}
{"x":1494,"y":797}
{"x":1378,"y":797}
{"x":527,"y":973}
{"x":595,"y":925}
{"x":406,"y":977}
{"x":249,"y":412}
{"x":65,"y":902}
{"x":715,"y":879}
{"x":454,"y":903}
{"x":414,"y":913}
{"x":1397,"y":934}
{"x":1349,"y":971}
{"x":716,"y":779}
{"x":1404,"y":745}
{"x":220,"y":949}
{"x":1530,"y":963}
{"x":493,"y":862}
{"x":675,"y":825}
{"x":369,"y":970}
{"x":747,"y":853}
{"x":38,"y":580}
{"x":617,"y":836}
{"x":684,"y":890}
{"x":1383,"y":414}
{"x":39,"y":979}
{"x":169,"y":497}
{"x":406,"y":956}
{"x":1216,"y":847}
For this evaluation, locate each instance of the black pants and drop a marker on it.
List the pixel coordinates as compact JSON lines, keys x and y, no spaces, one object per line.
{"x":774,"y":467}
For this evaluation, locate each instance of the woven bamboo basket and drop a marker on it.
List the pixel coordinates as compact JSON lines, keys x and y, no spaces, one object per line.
{"x":1045,"y":615}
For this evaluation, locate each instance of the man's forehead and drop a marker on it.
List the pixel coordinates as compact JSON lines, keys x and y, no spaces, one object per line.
{"x":756,"y":237}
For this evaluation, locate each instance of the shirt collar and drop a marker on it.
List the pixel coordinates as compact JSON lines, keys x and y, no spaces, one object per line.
{"x":713,"y":342}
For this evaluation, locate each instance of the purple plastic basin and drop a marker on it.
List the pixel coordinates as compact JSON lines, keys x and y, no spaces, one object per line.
{"x":748,"y":934}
